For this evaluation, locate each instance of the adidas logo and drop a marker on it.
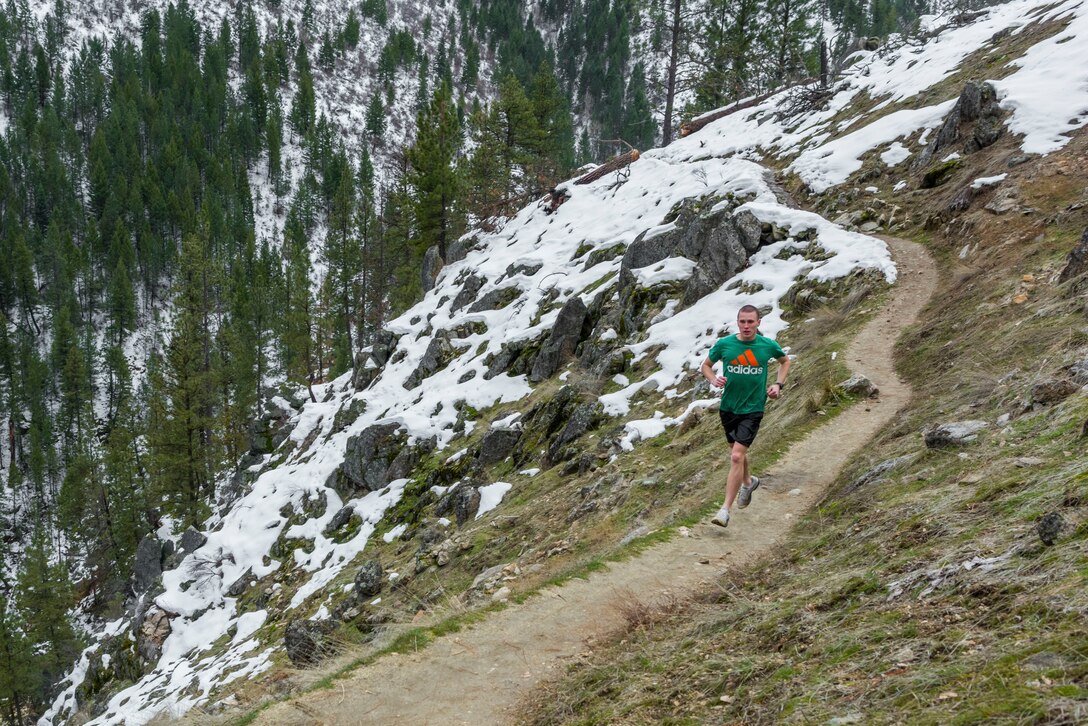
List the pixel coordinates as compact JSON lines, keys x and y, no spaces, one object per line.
{"x":745,"y":364}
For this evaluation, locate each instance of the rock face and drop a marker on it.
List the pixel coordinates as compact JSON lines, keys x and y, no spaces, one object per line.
{"x":191,"y":541}
{"x":368,"y":580}
{"x":370,"y":360}
{"x":1077,"y":263}
{"x":154,"y":630}
{"x":571,"y":327}
{"x":495,"y":299}
{"x":369,"y":456}
{"x":717,"y":243}
{"x":148,"y":567}
{"x":306,"y":642}
{"x":953,"y":434}
{"x":469,"y":289}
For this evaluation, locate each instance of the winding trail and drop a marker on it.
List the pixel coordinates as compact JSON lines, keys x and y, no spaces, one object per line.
{"x":478,"y":675}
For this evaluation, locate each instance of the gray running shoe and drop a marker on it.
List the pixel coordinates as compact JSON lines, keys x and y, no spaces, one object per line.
{"x":744,"y":498}
{"x":721,"y":518}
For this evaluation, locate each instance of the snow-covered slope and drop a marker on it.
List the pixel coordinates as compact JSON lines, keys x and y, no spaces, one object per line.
{"x":544,"y":256}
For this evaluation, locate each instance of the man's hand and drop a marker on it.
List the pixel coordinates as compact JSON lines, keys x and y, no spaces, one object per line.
{"x":718,"y":382}
{"x":774,"y":390}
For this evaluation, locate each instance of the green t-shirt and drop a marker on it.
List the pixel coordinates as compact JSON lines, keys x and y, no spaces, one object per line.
{"x":745,"y":371}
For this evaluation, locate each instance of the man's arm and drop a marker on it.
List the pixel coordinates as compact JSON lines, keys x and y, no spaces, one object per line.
{"x":775,"y":388}
{"x":707,"y":369}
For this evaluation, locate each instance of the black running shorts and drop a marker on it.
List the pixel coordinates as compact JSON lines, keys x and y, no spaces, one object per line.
{"x":741,"y":427}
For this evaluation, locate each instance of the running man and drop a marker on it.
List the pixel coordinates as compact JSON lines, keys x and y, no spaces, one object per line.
{"x":745,"y":357}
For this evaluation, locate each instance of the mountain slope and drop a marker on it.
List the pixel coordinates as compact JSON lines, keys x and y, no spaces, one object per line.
{"x":647,"y":330}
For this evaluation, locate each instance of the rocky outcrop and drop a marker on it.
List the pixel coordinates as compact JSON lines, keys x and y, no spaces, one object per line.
{"x":497,"y":444}
{"x":370,"y":360}
{"x":368,"y":460}
{"x":469,"y":289}
{"x":463,"y":502}
{"x":154,"y":630}
{"x":973,"y":123}
{"x":711,"y":239}
{"x":496,"y":299}
{"x":148,"y":566}
{"x":1053,"y":390}
{"x":440,"y":351}
{"x":586,"y":416}
{"x":571,"y":327}
{"x":432,"y":265}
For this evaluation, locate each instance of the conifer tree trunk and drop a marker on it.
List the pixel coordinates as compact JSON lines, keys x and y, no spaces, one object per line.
{"x":670,"y":89}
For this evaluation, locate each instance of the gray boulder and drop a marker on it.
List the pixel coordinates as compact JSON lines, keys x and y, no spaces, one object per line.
{"x":148,"y":566}
{"x":440,"y":351}
{"x":463,"y":502}
{"x":307,"y":642}
{"x":750,"y":228}
{"x":712,"y":241}
{"x":953,"y":434}
{"x":191,"y":541}
{"x":859,"y":385}
{"x":240,"y":585}
{"x":585,"y":417}
{"x":977,"y":103}
{"x":155,"y":628}
{"x":368,"y":457}
{"x":1052,"y":391}
{"x":1049,"y":527}
{"x":571,"y":327}
{"x":496,"y":299}
{"x":368,"y":580}
{"x":339,"y":520}
{"x":432,"y":265}
{"x":469,"y":289}
{"x":497,"y":444}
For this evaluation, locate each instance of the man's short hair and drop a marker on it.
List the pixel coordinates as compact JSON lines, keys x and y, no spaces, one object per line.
{"x":750,"y":309}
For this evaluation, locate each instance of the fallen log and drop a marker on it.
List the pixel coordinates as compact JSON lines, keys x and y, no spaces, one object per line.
{"x":614,"y":164}
{"x":690,"y":127}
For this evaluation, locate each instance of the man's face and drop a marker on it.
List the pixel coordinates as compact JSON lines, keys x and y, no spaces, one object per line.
{"x":747,"y":323}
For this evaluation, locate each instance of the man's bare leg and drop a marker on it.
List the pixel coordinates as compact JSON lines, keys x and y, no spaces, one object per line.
{"x":738,"y":473}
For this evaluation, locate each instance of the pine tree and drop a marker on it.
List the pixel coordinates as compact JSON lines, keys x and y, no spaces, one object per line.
{"x":639,"y":128}
{"x":351,"y":29}
{"x":343,"y":261}
{"x":508,"y":140}
{"x":44,"y":596}
{"x":375,"y":117}
{"x":181,"y":435}
{"x":433,"y":172}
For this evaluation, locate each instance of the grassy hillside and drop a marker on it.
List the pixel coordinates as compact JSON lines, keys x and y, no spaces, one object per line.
{"x":923,"y":594}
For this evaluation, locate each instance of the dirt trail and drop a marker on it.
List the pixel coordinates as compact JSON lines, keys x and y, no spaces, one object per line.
{"x":477,"y":676}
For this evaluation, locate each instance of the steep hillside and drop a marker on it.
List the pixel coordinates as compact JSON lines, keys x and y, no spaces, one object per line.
{"x":942,"y":579}
{"x":538,"y":411}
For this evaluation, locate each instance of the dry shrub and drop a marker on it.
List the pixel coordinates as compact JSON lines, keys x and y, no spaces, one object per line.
{"x":639,"y":614}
